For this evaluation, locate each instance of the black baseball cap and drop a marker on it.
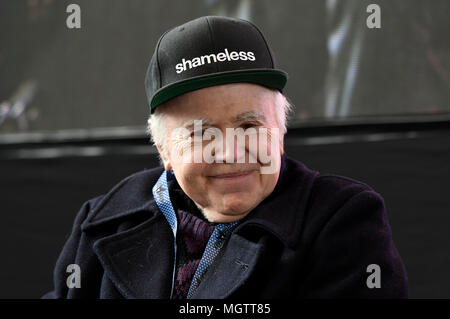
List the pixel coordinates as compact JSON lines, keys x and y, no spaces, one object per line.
{"x":208,"y":51}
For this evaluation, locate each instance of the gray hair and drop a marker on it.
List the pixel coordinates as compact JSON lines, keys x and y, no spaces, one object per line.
{"x":157,"y":130}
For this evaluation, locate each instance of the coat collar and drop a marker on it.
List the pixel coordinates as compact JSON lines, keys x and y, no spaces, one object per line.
{"x":131,"y":196}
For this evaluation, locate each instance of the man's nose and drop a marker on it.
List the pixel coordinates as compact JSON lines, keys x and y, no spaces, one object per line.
{"x":231,"y":151}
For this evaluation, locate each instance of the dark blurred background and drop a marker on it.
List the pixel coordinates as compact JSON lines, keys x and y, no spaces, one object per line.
{"x":370,"y":104}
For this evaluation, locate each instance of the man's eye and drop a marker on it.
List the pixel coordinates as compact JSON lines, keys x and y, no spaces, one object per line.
{"x":198,"y":133}
{"x":249,"y":125}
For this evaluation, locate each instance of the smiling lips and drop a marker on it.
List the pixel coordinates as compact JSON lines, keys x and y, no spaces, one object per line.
{"x":232,"y":175}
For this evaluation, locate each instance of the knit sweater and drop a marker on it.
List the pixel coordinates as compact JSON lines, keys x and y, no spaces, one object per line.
{"x":192,"y":236}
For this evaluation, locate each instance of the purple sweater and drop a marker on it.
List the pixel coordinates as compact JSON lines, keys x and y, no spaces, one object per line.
{"x":192,"y":236}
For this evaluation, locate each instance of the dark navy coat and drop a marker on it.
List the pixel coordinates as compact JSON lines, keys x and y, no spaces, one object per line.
{"x":313,"y":237}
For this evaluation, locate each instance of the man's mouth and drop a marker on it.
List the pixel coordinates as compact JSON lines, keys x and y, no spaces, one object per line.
{"x":232,"y":175}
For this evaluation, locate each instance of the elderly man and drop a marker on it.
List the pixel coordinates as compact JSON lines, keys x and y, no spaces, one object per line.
{"x":228,"y":214}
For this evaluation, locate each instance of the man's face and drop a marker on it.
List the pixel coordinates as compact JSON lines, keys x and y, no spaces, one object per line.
{"x":225,"y":191}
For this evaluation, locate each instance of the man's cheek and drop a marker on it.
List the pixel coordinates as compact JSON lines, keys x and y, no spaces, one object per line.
{"x":193,"y":173}
{"x":182,"y":150}
{"x":269,"y":149}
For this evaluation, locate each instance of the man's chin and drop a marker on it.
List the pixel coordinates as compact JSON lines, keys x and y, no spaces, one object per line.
{"x":227,"y":215}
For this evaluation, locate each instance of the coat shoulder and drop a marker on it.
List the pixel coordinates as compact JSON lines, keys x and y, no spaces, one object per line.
{"x":327,"y":187}
{"x":331,"y":193}
{"x":327,"y":194}
{"x":131,"y":194}
{"x":341,"y":188}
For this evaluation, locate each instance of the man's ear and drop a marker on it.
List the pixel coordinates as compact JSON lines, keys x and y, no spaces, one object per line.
{"x":164,"y":157}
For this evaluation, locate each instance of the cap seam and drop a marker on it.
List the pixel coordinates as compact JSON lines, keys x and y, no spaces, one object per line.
{"x":264,"y":39}
{"x":212,"y":40}
{"x":157,"y":57}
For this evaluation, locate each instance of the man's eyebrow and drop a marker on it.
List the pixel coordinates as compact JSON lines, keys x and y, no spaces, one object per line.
{"x":246,"y":116}
{"x":250,"y":116}
{"x":190,"y":123}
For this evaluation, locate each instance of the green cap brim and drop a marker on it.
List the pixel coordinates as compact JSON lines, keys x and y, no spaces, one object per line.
{"x":275,"y":79}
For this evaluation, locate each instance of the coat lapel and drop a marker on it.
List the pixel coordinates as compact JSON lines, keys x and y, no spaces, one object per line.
{"x":236,"y":265}
{"x":139,"y":261}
